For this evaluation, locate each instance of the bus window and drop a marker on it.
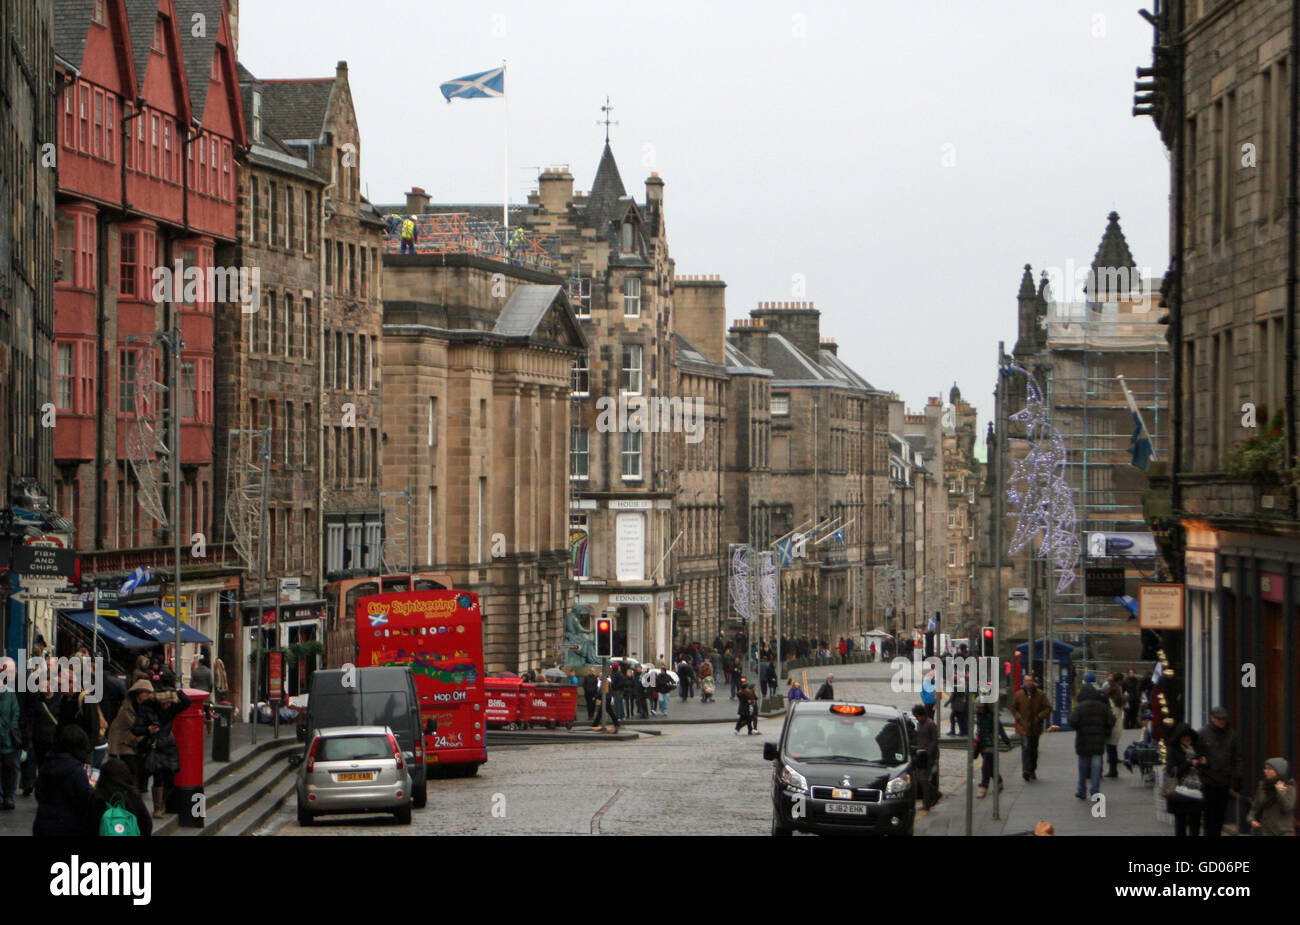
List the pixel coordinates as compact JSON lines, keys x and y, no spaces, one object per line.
{"x":426,"y":584}
{"x":355,"y":594}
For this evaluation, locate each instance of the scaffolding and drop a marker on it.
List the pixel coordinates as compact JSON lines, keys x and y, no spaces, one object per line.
{"x":1089,"y":345}
{"x":462,"y":233}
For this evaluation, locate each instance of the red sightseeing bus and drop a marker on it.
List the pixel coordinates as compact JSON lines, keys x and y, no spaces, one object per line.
{"x":341,"y":598}
{"x":438,"y":634}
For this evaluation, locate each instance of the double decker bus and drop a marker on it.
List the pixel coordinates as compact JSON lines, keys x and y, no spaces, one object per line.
{"x":438,"y":635}
{"x":341,"y":596}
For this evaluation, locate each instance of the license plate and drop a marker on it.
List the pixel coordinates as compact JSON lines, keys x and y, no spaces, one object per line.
{"x":847,"y":809}
{"x":838,"y":794}
{"x":357,"y":775}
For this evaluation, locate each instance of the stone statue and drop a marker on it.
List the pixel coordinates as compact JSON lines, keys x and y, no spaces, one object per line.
{"x":575,"y":634}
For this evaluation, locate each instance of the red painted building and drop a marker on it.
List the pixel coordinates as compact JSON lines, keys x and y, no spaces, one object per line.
{"x":149,"y":124}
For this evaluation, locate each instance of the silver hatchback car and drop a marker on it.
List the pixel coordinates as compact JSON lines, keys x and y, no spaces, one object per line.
{"x":354,"y":769}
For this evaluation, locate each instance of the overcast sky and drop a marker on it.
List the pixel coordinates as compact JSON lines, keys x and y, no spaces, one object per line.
{"x":794,"y":139}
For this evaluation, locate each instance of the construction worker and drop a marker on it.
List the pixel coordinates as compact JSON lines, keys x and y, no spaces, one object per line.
{"x":409,"y":235}
{"x":518,"y":240}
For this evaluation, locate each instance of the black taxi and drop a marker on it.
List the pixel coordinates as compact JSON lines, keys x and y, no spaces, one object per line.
{"x":845,"y":768}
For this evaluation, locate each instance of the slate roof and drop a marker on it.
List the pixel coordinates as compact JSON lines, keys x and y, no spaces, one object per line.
{"x":687,"y":354}
{"x":71,"y":25}
{"x":524,"y":310}
{"x":1112,"y":253}
{"x":737,"y":362}
{"x":199,"y":50}
{"x":141,"y":15}
{"x":603,"y":201}
{"x":295,"y":110}
{"x":791,"y":366}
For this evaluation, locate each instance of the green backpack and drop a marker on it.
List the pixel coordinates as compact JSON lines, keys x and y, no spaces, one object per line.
{"x":117,"y":819}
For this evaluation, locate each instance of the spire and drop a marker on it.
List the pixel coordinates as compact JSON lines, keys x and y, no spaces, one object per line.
{"x":606,"y":190}
{"x":1027,"y":290}
{"x":1111,"y":274}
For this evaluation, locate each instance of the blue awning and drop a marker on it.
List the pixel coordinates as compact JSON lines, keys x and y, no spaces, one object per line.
{"x":157,"y":624}
{"x":108,"y":629}
{"x":1060,"y":650}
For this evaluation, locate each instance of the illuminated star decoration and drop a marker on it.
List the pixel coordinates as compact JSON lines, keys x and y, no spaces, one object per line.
{"x":1040,"y":496}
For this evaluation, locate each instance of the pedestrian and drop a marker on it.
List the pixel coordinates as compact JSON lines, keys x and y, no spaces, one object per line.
{"x":987,"y":726}
{"x":927,"y":740}
{"x":827,"y":690}
{"x":747,"y":708}
{"x":768,"y":676}
{"x":649,"y":682}
{"x":116,"y":787}
{"x":686,"y":675}
{"x":409,"y":234}
{"x":122,"y":742}
{"x":201,"y":675}
{"x":641,"y":692}
{"x":872,"y":651}
{"x":843,"y":647}
{"x":664,"y":685}
{"x":957,"y":712}
{"x":1272,"y":812}
{"x":706,"y":682}
{"x":160,"y":753}
{"x":1091,"y":720}
{"x":609,"y":707}
{"x":1183,"y":788}
{"x":1115,"y":700}
{"x":1030,"y":708}
{"x":618,"y":685}
{"x":62,"y":788}
{"x":90,"y":717}
{"x":11,"y":734}
{"x":220,"y":681}
{"x":796,"y":692}
{"x":928,"y":693}
{"x":1222,"y":770}
{"x":141,"y":670}
{"x":589,"y":686}
{"x":1133,"y":690}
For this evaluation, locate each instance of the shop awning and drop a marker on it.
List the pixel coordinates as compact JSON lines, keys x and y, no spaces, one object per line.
{"x":157,"y":624}
{"x":108,"y":629}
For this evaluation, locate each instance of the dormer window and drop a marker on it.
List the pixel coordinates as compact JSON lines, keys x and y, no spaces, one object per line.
{"x":98,"y":15}
{"x":629,"y":235}
{"x":257,"y":115}
{"x":158,"y":37}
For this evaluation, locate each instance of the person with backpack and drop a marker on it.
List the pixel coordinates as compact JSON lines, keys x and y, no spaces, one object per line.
{"x":116,"y":807}
{"x":409,"y":235}
{"x":161,"y":754}
{"x":62,"y":788}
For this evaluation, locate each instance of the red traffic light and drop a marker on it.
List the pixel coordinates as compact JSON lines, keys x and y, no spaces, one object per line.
{"x":604,"y":626}
{"x":988,"y":632}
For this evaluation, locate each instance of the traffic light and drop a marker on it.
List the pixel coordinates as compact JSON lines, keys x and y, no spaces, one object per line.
{"x":605,"y":637}
{"x":988,"y":643}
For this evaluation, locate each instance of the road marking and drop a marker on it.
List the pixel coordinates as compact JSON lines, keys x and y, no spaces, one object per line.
{"x":595,"y":820}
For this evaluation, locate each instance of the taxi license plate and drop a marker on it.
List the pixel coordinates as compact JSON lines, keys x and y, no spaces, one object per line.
{"x":357,"y":775}
{"x":847,"y":809}
{"x":838,"y":794}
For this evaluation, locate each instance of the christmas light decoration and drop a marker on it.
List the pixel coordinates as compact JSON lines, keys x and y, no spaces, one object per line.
{"x":1041,"y":499}
{"x":740,"y":592}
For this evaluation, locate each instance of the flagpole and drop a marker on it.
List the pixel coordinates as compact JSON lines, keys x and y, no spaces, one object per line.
{"x":505,"y":160}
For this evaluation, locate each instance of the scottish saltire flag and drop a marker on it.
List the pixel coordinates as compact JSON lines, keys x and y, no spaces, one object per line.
{"x":784,"y":551}
{"x":1129,"y":603}
{"x":137,"y":578}
{"x":1140,"y":444}
{"x":839,"y":535}
{"x":476,"y":86}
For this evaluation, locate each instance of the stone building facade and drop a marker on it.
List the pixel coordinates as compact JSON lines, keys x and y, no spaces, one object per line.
{"x":1226,"y":505}
{"x":962,"y":477}
{"x":478,"y":356}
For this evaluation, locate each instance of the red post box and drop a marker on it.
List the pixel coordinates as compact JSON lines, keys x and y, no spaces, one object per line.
{"x":189,"y":732}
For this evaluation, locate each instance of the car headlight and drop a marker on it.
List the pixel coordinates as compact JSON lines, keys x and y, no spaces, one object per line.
{"x":792,"y":778}
{"x":898,"y":786}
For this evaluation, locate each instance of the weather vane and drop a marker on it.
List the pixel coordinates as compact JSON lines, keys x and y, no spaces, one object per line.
{"x":606,"y":109}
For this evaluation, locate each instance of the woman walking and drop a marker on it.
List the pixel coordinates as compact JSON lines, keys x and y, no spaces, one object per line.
{"x":123,"y":743}
{"x":747,"y":707}
{"x":706,"y":682}
{"x":1182,"y":787}
{"x":1272,"y":812}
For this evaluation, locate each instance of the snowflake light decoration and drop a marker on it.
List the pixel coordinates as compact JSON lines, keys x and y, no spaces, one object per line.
{"x":1040,"y":496}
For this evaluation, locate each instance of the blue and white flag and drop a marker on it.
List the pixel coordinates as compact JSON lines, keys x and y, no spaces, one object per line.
{"x":1140,"y":445}
{"x":137,"y":578}
{"x":839,"y":535}
{"x":476,"y":86}
{"x":1129,"y":603}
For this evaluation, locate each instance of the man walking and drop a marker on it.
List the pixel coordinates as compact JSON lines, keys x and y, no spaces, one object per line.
{"x":1030,"y":708}
{"x":590,"y":684}
{"x":827,"y":690}
{"x":1222,"y":769}
{"x":1133,"y":688}
{"x":1091,"y":720}
{"x":927,"y":740}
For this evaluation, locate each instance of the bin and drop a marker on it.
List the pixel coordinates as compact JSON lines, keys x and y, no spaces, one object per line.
{"x":526,"y":709}
{"x":502,"y":702}
{"x":188,"y":728}
{"x":223,"y":717}
{"x":554,"y":705}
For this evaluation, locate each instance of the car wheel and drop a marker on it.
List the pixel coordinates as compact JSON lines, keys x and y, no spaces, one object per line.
{"x":778,"y":827}
{"x":403,"y":815}
{"x":305,"y":817}
{"x":420,"y":795}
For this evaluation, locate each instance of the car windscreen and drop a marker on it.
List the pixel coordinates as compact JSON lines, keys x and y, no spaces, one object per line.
{"x":353,"y":748}
{"x":856,"y":738}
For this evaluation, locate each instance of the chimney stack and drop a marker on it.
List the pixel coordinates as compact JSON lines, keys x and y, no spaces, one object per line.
{"x":417,"y":201}
{"x":555,"y":189}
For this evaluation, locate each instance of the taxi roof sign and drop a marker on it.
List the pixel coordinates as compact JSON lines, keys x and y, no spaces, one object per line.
{"x":848,"y":709}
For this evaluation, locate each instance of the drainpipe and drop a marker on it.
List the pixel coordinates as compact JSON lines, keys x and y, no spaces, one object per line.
{"x":321,"y":395}
{"x":1291,"y":203}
